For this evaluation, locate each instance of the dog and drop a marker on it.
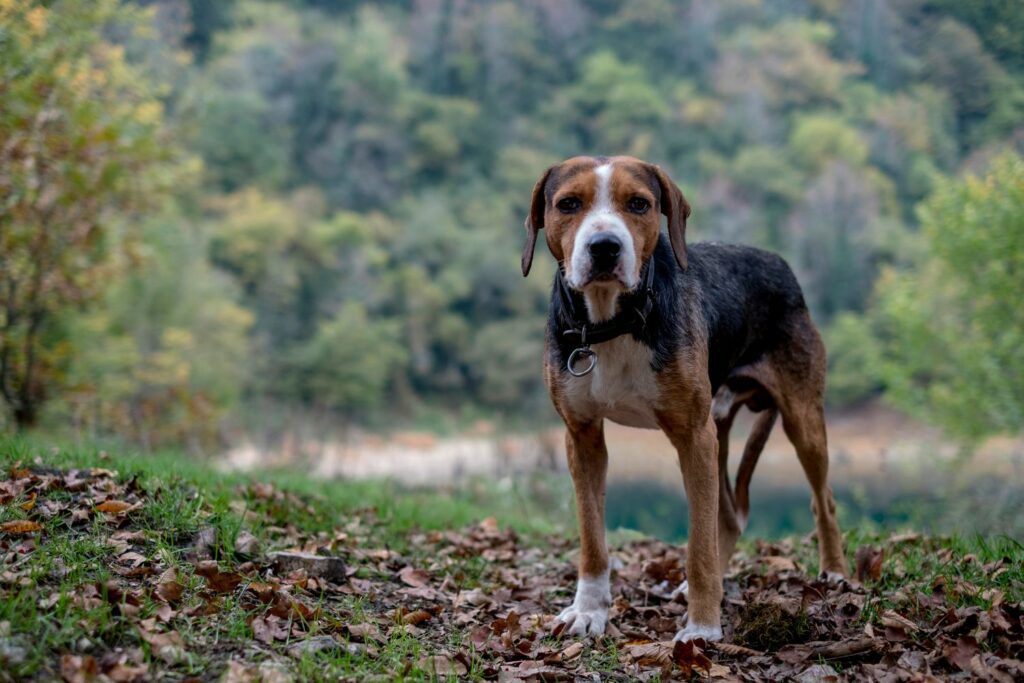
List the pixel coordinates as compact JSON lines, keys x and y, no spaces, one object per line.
{"x":649,"y":332}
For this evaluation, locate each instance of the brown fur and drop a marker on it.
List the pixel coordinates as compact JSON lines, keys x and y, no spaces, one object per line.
{"x":789,"y":381}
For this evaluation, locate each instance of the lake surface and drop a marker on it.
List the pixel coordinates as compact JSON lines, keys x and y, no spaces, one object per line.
{"x":886,"y":471}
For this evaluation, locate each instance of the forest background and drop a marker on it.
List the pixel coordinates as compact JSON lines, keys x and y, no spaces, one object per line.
{"x":220,"y":217}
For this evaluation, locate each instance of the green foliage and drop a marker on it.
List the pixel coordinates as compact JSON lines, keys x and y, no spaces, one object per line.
{"x":366,"y":168}
{"x":954,"y":329}
{"x":349,"y":362}
{"x":82,"y":145}
{"x":163,"y":359}
{"x":854,"y":356}
{"x":818,"y":139}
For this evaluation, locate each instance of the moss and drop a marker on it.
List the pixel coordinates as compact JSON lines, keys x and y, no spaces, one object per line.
{"x":767,"y":626}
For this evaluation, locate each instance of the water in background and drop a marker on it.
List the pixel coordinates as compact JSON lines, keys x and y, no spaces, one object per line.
{"x":886,"y":472}
{"x":987,"y":504}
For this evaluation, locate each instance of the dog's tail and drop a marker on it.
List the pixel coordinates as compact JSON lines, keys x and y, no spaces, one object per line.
{"x":762,"y":428}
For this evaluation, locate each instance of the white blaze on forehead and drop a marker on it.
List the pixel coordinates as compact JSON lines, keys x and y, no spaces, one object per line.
{"x":604,"y":185}
{"x":602,"y":217}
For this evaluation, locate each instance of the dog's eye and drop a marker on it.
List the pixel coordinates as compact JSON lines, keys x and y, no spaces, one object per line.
{"x":638,"y":205}
{"x":569,"y":205}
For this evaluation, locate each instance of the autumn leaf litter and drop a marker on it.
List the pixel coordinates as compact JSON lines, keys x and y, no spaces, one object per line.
{"x":340,"y":594}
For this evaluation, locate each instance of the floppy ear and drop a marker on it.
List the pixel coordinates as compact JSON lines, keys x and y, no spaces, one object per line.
{"x":675,"y":208}
{"x":534,"y":220}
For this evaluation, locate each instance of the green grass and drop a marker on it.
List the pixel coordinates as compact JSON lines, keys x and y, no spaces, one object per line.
{"x":184,"y":495}
{"x":43,"y":610}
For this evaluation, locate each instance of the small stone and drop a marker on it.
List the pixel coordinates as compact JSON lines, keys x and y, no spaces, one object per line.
{"x":12,"y":652}
{"x":328,"y":568}
{"x":246,"y":543}
{"x":817,"y":673}
{"x":313,"y":645}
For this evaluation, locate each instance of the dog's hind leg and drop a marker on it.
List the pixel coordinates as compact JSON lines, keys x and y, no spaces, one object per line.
{"x":724,"y":408}
{"x":800,"y":370}
{"x":759,"y":434}
{"x":804,"y":423}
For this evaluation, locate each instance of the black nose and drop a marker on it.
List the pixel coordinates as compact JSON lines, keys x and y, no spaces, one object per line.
{"x":604,"y":251}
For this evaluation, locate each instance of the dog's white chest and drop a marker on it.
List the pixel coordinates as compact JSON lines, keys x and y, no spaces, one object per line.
{"x":622,"y":387}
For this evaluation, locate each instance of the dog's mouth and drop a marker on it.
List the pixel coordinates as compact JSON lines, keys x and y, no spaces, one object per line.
{"x":607,"y":283}
{"x":614,"y":279}
{"x":606,"y":277}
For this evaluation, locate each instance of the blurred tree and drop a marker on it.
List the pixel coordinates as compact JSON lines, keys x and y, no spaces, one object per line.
{"x":832,"y":237}
{"x":987,"y":102}
{"x":348,"y":364}
{"x":206,"y":18}
{"x":818,"y":139}
{"x":880,"y":35}
{"x":854,"y":360}
{"x":770,"y":181}
{"x":165,"y":357}
{"x":999,"y":24}
{"x":504,"y":360}
{"x":953,"y":329}
{"x":783,"y":65}
{"x":614,"y":106}
{"x":371,"y":161}
{"x":911,"y":140}
{"x":298,"y":274}
{"x":81,"y":145}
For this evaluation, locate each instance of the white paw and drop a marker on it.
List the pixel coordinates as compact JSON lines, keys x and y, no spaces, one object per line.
{"x":588,"y":613}
{"x":834,"y":578}
{"x":584,"y":622}
{"x":696,"y":631}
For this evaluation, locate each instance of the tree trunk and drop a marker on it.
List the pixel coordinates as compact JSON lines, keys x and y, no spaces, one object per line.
{"x":25,"y":417}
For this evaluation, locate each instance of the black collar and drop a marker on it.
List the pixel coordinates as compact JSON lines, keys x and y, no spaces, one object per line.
{"x":631,"y":318}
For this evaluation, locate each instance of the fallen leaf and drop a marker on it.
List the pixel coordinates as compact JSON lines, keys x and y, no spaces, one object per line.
{"x":869,"y":563}
{"x":570,"y":653}
{"x":76,"y":669}
{"x":124,"y":673}
{"x":960,"y":652}
{"x":780,"y":564}
{"x":891,"y":619}
{"x":168,"y":588}
{"x":237,"y":672}
{"x":817,"y":673}
{"x":689,"y":658}
{"x":268,"y":629}
{"x":216,"y":580}
{"x":365,"y":631}
{"x":20,"y":526}
{"x":312,"y":646}
{"x":414,"y":577}
{"x":113,"y":507}
{"x":417,"y":617}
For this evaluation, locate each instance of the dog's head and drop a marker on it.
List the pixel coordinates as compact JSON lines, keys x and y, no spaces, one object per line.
{"x":602,"y":217}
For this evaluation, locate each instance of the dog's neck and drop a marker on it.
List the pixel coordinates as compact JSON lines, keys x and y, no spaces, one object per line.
{"x":570,"y":312}
{"x":597,"y":316}
{"x":602,"y":302}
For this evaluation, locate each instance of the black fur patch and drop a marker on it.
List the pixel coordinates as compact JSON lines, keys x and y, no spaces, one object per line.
{"x":744,"y":297}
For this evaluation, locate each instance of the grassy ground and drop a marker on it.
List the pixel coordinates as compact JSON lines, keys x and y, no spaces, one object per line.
{"x":158,"y":568}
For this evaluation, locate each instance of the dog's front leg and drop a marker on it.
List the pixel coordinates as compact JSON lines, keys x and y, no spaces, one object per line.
{"x":697,"y":447}
{"x":588,"y":465}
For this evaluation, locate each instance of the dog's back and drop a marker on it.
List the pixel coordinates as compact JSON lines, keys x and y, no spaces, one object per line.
{"x":750,"y":300}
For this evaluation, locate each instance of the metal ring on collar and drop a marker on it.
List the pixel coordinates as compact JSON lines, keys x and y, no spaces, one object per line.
{"x":581,"y":352}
